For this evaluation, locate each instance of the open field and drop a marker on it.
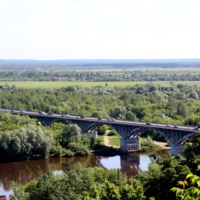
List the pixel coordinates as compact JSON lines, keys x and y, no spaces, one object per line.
{"x":59,"y":84}
{"x":114,"y":141}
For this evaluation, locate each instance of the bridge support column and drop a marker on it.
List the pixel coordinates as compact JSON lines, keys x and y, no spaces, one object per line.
{"x":176,"y":149}
{"x":93,"y":134}
{"x":128,"y":144}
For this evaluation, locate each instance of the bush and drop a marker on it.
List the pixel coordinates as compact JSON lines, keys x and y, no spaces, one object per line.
{"x":102,"y":130}
{"x":154,"y":135}
{"x":148,"y":143}
{"x":82,"y":151}
{"x":68,"y":152}
{"x":56,"y":150}
{"x":113,"y":132}
{"x":98,"y":146}
{"x":72,"y":146}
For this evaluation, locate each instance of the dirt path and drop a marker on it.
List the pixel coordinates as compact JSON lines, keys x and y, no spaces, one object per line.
{"x":106,"y":140}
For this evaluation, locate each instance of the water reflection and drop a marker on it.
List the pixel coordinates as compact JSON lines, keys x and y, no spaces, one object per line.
{"x":133,"y":163}
{"x":25,"y":171}
{"x":130,"y":164}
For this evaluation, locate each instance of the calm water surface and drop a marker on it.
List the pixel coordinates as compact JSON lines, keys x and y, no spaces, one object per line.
{"x":25,"y":171}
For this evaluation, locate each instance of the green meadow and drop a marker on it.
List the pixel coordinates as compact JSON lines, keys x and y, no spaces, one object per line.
{"x":59,"y":84}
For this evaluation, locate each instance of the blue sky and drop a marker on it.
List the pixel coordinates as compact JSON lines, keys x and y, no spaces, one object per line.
{"x":99,"y":29}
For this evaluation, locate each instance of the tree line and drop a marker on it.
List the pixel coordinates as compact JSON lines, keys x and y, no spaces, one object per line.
{"x":97,"y":76}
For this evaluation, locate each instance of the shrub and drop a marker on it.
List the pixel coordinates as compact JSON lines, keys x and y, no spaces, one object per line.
{"x":72,"y":146}
{"x":82,"y":151}
{"x":102,"y":130}
{"x":113,"y":132}
{"x":56,"y":150}
{"x":68,"y":152}
{"x":148,"y":143}
{"x":98,"y":146}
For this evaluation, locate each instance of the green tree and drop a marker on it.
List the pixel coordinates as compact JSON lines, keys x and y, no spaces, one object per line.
{"x":29,"y":140}
{"x":72,"y":133}
{"x":187,"y":192}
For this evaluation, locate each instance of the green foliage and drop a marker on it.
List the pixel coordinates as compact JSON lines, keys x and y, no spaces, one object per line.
{"x":82,"y":151}
{"x":67,"y":152}
{"x":80,"y":184}
{"x":71,"y":133}
{"x":147,"y":102}
{"x":100,"y":139}
{"x":102,"y":130}
{"x":72,"y":146}
{"x":191,"y":153}
{"x":114,"y":141}
{"x":18,"y":192}
{"x":113,"y":132}
{"x":187,"y":192}
{"x":98,"y":146}
{"x":100,"y":114}
{"x":57,"y":150}
{"x":161,"y":176}
{"x":148,"y":143}
{"x":131,"y":116}
{"x":154,"y":135}
{"x":30,"y":140}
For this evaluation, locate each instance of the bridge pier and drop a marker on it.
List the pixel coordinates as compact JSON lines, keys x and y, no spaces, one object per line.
{"x":93,"y":134}
{"x":128,"y":144}
{"x":176,"y":149}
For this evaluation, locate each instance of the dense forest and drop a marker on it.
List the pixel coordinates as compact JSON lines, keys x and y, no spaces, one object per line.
{"x":177,"y":104}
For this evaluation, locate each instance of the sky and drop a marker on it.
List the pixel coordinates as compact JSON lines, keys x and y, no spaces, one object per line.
{"x":99,"y":29}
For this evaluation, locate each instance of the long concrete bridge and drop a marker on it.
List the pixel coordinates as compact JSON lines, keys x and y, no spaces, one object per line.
{"x":129,"y":130}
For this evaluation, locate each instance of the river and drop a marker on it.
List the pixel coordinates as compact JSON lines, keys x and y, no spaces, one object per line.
{"x":25,"y":171}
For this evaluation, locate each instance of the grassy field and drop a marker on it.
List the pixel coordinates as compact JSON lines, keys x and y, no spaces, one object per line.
{"x":115,"y":141}
{"x":58,"y":84}
{"x":101,"y":138}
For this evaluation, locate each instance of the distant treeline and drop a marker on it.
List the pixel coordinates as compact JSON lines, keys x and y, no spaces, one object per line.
{"x":97,"y":64}
{"x":98,"y":76}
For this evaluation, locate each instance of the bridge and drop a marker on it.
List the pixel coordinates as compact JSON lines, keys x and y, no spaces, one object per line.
{"x":129,"y":130}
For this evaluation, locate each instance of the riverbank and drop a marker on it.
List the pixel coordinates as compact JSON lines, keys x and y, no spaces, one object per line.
{"x":164,"y":145}
{"x":106,"y":142}
{"x":106,"y":150}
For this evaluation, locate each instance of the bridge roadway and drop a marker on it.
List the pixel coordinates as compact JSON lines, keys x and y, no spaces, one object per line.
{"x":129,"y":130}
{"x":95,"y":119}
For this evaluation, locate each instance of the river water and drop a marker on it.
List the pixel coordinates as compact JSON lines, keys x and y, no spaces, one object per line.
{"x":25,"y":171}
